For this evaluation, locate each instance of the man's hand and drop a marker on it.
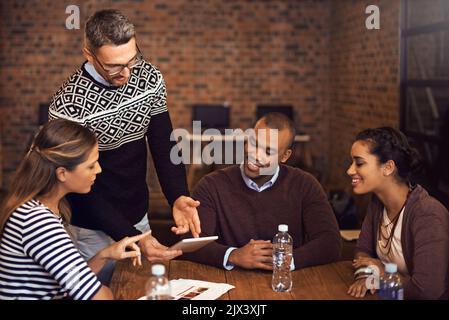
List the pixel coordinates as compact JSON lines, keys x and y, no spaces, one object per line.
{"x":256,"y":254}
{"x":186,"y":216}
{"x":154,"y":251}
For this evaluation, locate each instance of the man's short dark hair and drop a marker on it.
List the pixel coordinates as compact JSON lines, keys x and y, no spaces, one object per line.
{"x":108,"y":27}
{"x":280,"y":121}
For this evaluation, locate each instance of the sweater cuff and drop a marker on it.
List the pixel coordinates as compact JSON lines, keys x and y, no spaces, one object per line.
{"x":175,"y":197}
{"x":128,"y":232}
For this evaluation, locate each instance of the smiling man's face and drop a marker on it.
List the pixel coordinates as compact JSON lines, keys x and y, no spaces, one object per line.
{"x":263,"y":150}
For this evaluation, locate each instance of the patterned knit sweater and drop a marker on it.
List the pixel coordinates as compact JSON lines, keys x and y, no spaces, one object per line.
{"x":123,"y":119}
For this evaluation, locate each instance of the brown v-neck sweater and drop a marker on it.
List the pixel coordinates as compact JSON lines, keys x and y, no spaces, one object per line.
{"x":237,"y":214}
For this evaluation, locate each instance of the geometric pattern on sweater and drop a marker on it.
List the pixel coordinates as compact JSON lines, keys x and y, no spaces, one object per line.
{"x":118,"y":115}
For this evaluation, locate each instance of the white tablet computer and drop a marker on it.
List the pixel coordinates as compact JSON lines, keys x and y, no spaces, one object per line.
{"x":192,"y":244}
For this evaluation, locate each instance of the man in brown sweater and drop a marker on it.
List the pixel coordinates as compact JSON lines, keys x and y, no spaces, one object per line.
{"x":244,"y":207}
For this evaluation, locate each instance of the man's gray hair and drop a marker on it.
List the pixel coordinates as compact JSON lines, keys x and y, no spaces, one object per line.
{"x":108,"y":27}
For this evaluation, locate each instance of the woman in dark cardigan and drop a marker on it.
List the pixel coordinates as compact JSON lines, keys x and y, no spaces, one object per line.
{"x":404,"y":224}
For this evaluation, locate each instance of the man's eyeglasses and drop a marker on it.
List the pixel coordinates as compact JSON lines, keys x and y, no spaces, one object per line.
{"x":117,"y":69}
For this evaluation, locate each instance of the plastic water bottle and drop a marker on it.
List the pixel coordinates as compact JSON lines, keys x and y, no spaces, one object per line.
{"x":282,"y":258}
{"x":390,"y":287}
{"x":158,"y":286}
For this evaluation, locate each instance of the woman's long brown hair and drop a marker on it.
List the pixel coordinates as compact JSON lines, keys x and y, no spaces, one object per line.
{"x":60,"y":143}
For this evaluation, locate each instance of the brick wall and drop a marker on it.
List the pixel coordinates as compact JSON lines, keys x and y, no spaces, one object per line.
{"x":364,"y":77}
{"x":316,"y":55}
{"x":37,"y":54}
{"x":240,"y":52}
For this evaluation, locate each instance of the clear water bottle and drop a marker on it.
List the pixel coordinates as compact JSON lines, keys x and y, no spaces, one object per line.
{"x":158,"y":286}
{"x":390,"y":287}
{"x":282,"y":258}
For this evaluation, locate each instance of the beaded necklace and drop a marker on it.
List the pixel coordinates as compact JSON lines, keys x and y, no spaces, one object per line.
{"x":383,"y":235}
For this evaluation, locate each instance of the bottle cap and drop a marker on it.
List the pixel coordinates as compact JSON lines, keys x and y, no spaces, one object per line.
{"x":283,"y":228}
{"x":158,"y":269}
{"x":391,"y":267}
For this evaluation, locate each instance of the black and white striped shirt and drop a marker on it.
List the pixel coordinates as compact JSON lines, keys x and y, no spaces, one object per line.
{"x":38,"y":260}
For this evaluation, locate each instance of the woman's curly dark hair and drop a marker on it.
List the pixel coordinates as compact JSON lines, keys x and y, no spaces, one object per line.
{"x":387,"y":143}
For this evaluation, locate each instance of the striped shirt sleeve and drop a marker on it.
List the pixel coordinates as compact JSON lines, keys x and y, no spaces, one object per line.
{"x":47,"y":242}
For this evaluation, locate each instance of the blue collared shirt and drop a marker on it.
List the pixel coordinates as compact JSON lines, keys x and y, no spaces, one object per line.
{"x":253,"y":186}
{"x":91,"y":70}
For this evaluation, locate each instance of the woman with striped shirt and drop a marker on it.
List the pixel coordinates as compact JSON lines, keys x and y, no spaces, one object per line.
{"x":38,"y":259}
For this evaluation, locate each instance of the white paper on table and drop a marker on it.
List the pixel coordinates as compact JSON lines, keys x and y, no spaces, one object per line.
{"x":186,"y":289}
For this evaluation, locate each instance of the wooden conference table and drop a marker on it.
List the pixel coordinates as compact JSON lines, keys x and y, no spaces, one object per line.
{"x":329,"y":281}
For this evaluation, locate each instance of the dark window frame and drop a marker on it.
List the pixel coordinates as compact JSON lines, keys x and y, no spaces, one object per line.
{"x":430,"y":182}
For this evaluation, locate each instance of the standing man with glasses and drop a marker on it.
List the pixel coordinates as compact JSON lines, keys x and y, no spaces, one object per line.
{"x":122,"y":98}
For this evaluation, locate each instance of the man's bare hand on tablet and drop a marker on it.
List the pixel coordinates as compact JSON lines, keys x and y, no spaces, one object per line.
{"x":154,"y":251}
